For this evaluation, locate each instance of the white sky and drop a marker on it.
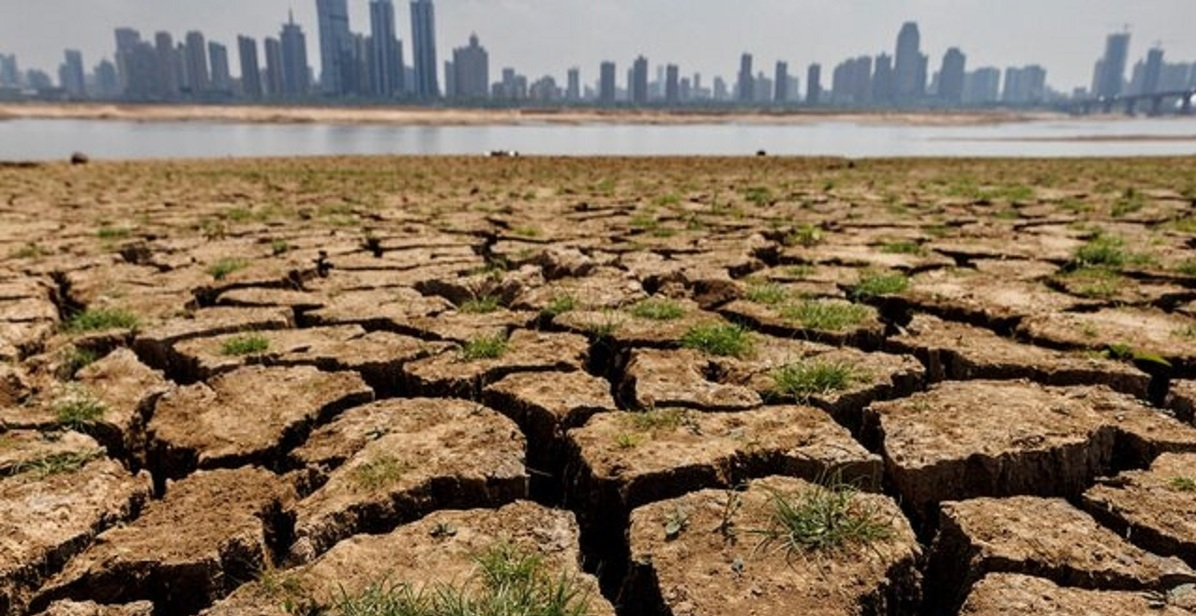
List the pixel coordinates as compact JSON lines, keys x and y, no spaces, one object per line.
{"x":548,"y":36}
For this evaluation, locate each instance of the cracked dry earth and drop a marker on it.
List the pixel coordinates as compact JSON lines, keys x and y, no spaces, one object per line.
{"x":655,"y":386}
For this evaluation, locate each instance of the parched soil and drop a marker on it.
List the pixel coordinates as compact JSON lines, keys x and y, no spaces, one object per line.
{"x":647,"y":387}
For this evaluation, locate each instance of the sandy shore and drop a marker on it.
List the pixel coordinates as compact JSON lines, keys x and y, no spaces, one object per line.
{"x":414,"y":116}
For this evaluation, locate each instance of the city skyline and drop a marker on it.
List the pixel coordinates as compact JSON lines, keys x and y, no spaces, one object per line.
{"x":544,"y":37}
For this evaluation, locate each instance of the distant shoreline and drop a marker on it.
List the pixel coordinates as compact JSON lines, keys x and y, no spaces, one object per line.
{"x":421,"y":116}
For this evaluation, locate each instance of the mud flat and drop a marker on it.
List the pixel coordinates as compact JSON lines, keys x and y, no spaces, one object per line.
{"x":605,"y":386}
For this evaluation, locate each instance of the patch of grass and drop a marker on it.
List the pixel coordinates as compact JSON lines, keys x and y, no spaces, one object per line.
{"x":1187,"y":267}
{"x":511,"y":581}
{"x":799,"y":271}
{"x":1130,"y":202}
{"x":657,"y":309}
{"x":759,"y":196}
{"x":238,"y":214}
{"x":652,"y":420}
{"x":78,"y":409}
{"x":606,"y":328}
{"x":526,"y":231}
{"x":1103,"y":250}
{"x":100,"y":319}
{"x":109,"y":233}
{"x":826,"y":315}
{"x":484,"y":347}
{"x":644,"y":221}
{"x":877,"y":283}
{"x":378,"y":473}
{"x":805,"y":235}
{"x":57,"y":464}
{"x":1094,"y":282}
{"x":32,"y":250}
{"x":1183,"y":484}
{"x":279,"y":247}
{"x":560,"y":304}
{"x":1188,"y":332}
{"x":722,"y":340}
{"x":806,"y":379}
{"x":75,"y":359}
{"x":248,"y":344}
{"x":768,"y":294}
{"x":480,"y":305}
{"x":668,"y":200}
{"x":903,"y":248}
{"x":222,"y":268}
{"x":628,"y":440}
{"x":823,"y":518}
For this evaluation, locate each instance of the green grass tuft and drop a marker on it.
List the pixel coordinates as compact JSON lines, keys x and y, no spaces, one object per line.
{"x":480,"y":305}
{"x":57,"y":464}
{"x":652,"y":420}
{"x":805,"y":235}
{"x":484,"y":347}
{"x":877,"y":283}
{"x":73,"y":360}
{"x":826,"y":315}
{"x":78,"y":409}
{"x":768,"y":294}
{"x":806,"y":379}
{"x":722,"y":340}
{"x":222,"y":268}
{"x":100,"y":319}
{"x":560,"y":304}
{"x":1183,"y":484}
{"x":248,"y":344}
{"x":378,"y":473}
{"x":823,"y":518}
{"x":903,"y":248}
{"x":113,"y":233}
{"x":658,"y":309}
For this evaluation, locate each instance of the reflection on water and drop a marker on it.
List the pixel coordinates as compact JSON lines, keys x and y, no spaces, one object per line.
{"x":56,"y":139}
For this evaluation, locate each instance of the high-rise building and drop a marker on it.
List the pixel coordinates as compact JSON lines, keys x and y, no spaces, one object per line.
{"x":721,"y":93}
{"x":387,"y":52}
{"x":1024,"y":86}
{"x":296,"y":73}
{"x":336,"y":46}
{"x":107,"y":81}
{"x":1153,"y":73}
{"x":1109,"y":78}
{"x":141,"y":77}
{"x":638,"y":85}
{"x":781,"y":81}
{"x":423,"y":44}
{"x":762,"y":89}
{"x":814,"y":84}
{"x":573,"y":91}
{"x":606,"y":83}
{"x":251,"y":73}
{"x":363,"y":65}
{"x":851,"y":82}
{"x":169,"y":77}
{"x":951,"y":76}
{"x":127,"y":40}
{"x":222,"y":79}
{"x":909,"y":68}
{"x":10,"y":71}
{"x":70,"y":74}
{"x":198,"y":78}
{"x":672,"y":84}
{"x":471,"y":71}
{"x":275,"y":84}
{"x":882,"y":80}
{"x":982,"y":86}
{"x":745,"y":90}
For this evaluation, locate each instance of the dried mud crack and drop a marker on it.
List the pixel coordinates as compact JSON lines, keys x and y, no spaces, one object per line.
{"x":632,"y":387}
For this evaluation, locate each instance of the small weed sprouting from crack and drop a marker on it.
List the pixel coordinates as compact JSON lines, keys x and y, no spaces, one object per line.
{"x":78,"y":409}
{"x":100,"y":319}
{"x":57,"y":464}
{"x":806,"y":236}
{"x":653,"y":420}
{"x":222,"y":268}
{"x":485,"y":304}
{"x":721,"y":340}
{"x":825,"y":315}
{"x":1183,"y":484}
{"x":378,"y":473}
{"x":675,"y":523}
{"x":827,"y":517}
{"x":767,"y":294}
{"x":904,"y":248}
{"x":806,"y":379}
{"x":657,"y":309}
{"x":875,"y":284}
{"x":484,"y":347}
{"x":560,"y":304}
{"x":73,"y":360}
{"x":248,"y":344}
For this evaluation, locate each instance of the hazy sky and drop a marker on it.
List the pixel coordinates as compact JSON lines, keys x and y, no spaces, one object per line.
{"x":548,"y":36}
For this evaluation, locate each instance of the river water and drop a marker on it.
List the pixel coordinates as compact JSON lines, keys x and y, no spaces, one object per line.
{"x":106,"y":139}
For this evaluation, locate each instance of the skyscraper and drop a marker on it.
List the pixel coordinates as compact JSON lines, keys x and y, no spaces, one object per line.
{"x":196,"y":62}
{"x":951,"y":76}
{"x":423,"y":44}
{"x":169,"y":79}
{"x":387,"y":63}
{"x":573,"y":91}
{"x":781,"y":83}
{"x":107,"y":81}
{"x":1110,"y":70}
{"x":275,"y":84}
{"x":1153,"y":73}
{"x":909,"y":69}
{"x":222,"y":79}
{"x":336,"y":46}
{"x":606,"y":83}
{"x":127,"y":40}
{"x":744,"y":87}
{"x":296,"y":74}
{"x":639,"y":81}
{"x":882,"y":79}
{"x":672,"y":84}
{"x":982,"y":86}
{"x":814,"y":84}
{"x":71,"y":73}
{"x":251,"y":75}
{"x":471,"y":71}
{"x":1025,"y":85}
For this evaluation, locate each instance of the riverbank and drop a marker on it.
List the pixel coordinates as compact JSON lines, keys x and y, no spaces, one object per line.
{"x":421,"y":116}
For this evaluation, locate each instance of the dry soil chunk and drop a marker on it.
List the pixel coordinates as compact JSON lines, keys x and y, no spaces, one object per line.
{"x":1018,"y":595}
{"x":1182,"y":400}
{"x":50,"y":513}
{"x":154,"y":343}
{"x":454,"y":374}
{"x":983,"y":299}
{"x":1146,"y":331}
{"x":22,"y":450}
{"x":438,"y":552}
{"x":211,"y":532}
{"x":990,"y":438}
{"x":381,"y":309}
{"x":127,"y":389}
{"x":1043,"y":537}
{"x":678,"y":379}
{"x":1156,"y":508}
{"x":91,"y":608}
{"x":252,"y":415}
{"x":430,"y":455}
{"x":627,"y":330}
{"x":959,"y":352}
{"x":680,"y":562}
